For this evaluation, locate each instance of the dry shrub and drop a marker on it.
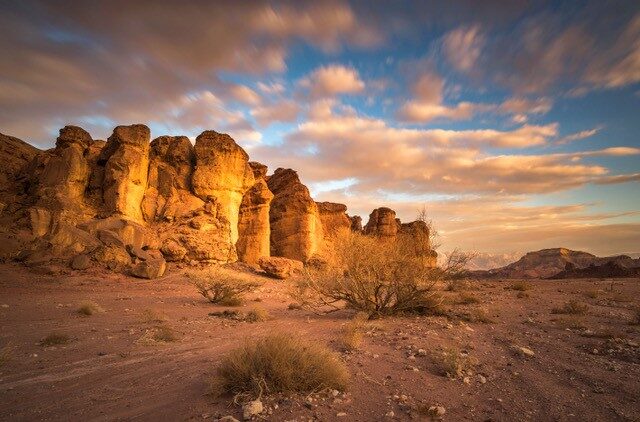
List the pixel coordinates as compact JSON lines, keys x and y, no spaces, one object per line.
{"x":573,"y":307}
{"x":372,"y":275}
{"x":54,"y":339}
{"x":257,"y":315}
{"x":279,"y":364}
{"x":5,"y":355}
{"x":220,"y":287}
{"x":88,"y":308}
{"x":467,"y":299}
{"x":520,"y":286}
{"x":592,"y":294}
{"x":453,"y":364}
{"x":352,"y":332}
{"x":152,"y":316}
{"x":478,"y":315}
{"x":159,"y":334}
{"x":522,"y":295}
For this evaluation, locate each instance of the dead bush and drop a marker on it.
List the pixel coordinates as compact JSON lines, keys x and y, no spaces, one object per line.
{"x":88,"y":308}
{"x":152,"y":316}
{"x":352,"y":332}
{"x":159,"y":334}
{"x":372,"y":275}
{"x":221,"y":288}
{"x":573,"y":307}
{"x":478,"y":315}
{"x":55,"y":339}
{"x":257,"y":315}
{"x":467,"y":299}
{"x":279,"y":364}
{"x":452,"y":363}
{"x":520,"y":286}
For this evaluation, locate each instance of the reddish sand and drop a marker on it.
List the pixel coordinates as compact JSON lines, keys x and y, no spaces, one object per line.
{"x":585,"y":367}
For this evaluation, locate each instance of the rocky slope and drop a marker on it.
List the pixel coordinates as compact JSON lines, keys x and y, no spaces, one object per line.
{"x":563,"y":263}
{"x":131,"y":204}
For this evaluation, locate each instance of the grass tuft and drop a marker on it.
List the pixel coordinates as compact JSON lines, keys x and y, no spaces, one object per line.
{"x":5,"y":355}
{"x":453,"y":364}
{"x":573,"y":307}
{"x":520,"y":286}
{"x":279,"y":364}
{"x":54,"y":339}
{"x":257,"y":315}
{"x":88,"y":308}
{"x":221,"y":288}
{"x":353,"y":332}
{"x":466,"y":299}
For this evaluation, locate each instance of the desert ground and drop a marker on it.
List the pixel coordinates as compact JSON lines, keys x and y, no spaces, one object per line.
{"x":520,"y":355}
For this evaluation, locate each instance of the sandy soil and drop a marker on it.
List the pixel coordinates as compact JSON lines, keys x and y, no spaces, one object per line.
{"x":585,"y":367}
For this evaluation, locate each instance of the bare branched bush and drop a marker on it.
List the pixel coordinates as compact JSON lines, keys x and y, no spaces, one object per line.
{"x":279,"y":364}
{"x":376,"y":276}
{"x":221,"y":288}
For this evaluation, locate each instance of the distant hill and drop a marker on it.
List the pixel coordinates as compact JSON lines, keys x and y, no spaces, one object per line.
{"x":564,"y":263}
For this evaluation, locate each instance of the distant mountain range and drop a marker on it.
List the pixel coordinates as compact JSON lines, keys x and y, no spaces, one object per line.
{"x":565,"y":263}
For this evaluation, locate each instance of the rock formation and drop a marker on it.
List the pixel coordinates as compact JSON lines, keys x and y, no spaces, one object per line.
{"x":254,"y":228}
{"x":296,"y":229}
{"x":126,"y":155}
{"x":131,"y":205}
{"x":382,"y":223}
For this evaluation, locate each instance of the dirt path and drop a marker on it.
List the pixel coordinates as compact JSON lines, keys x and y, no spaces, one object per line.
{"x":584,"y":367}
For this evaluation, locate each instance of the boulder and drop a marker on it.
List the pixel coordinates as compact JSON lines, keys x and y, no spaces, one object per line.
{"x":296,"y":229}
{"x":222,"y":173}
{"x":254,"y":230}
{"x":150,"y":268}
{"x":126,"y":155}
{"x":382,"y":223}
{"x":279,"y":267}
{"x":172,"y":250}
{"x":81,"y":262}
{"x":120,"y":232}
{"x":113,"y":257}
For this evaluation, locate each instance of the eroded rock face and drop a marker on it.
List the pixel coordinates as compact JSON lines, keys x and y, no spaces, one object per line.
{"x":222,"y":173}
{"x":296,"y":229}
{"x":126,"y":155}
{"x":334,"y":218}
{"x":62,"y":183}
{"x":168,"y":194}
{"x":254,"y":229}
{"x":15,"y":155}
{"x":356,"y":223}
{"x":382,"y":223}
{"x":420,"y":242}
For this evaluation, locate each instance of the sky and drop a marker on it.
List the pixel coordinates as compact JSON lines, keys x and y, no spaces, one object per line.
{"x":514,"y":123}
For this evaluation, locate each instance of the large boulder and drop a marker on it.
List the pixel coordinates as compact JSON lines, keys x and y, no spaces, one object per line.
{"x":150,"y":268}
{"x":222,"y":174}
{"x":356,"y":223}
{"x":382,"y":223}
{"x":418,"y":238}
{"x":126,"y":157}
{"x":254,"y":229}
{"x":122,"y":232}
{"x":296,"y":229}
{"x":278,"y":267}
{"x":168,"y":193}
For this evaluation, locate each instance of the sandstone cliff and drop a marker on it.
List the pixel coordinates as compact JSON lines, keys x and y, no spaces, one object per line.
{"x":129,"y":204}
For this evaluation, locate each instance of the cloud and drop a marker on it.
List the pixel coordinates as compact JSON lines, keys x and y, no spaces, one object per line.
{"x":329,"y":81}
{"x":463,"y":47}
{"x":125,"y":60}
{"x":282,"y":111}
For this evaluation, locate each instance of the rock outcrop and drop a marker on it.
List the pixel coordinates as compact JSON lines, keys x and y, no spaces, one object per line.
{"x":132,"y":205}
{"x":254,"y":228}
{"x":126,"y":157}
{"x":222,"y":174}
{"x":382,"y":223}
{"x":296,"y":229}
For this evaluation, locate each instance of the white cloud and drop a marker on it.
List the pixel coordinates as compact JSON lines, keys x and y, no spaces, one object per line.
{"x":463,"y":47}
{"x":332,"y":80}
